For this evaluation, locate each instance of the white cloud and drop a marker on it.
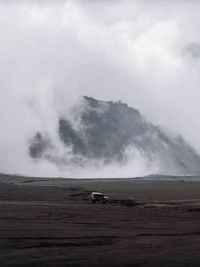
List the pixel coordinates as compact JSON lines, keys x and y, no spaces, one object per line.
{"x":53,"y":52}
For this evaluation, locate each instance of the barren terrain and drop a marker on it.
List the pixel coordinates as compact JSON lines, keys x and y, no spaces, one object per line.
{"x":51,"y":222}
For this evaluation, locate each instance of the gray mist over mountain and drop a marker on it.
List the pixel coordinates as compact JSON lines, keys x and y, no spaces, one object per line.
{"x":104,"y":134}
{"x":144,"y":53}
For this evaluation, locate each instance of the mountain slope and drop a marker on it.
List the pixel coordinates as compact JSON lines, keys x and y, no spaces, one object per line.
{"x":105,"y":130}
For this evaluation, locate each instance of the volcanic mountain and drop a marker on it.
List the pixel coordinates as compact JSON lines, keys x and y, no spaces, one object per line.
{"x":105,"y":130}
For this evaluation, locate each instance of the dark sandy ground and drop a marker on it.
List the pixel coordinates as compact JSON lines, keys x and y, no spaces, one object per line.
{"x":51,"y":222}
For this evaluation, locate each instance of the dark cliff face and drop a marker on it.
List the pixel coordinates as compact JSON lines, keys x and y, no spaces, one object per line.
{"x":107,"y":129}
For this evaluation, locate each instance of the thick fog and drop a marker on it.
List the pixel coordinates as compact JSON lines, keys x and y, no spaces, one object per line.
{"x":145,"y":53}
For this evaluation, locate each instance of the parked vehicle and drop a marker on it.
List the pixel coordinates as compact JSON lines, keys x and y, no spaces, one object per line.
{"x":97,"y":197}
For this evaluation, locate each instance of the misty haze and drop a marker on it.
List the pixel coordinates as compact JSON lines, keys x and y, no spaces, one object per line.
{"x":99,"y":140}
{"x":53,"y":53}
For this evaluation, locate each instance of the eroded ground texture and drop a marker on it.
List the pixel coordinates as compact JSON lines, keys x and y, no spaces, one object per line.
{"x":51,"y":222}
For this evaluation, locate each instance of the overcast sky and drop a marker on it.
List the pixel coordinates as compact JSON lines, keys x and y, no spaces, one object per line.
{"x":146,"y":53}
